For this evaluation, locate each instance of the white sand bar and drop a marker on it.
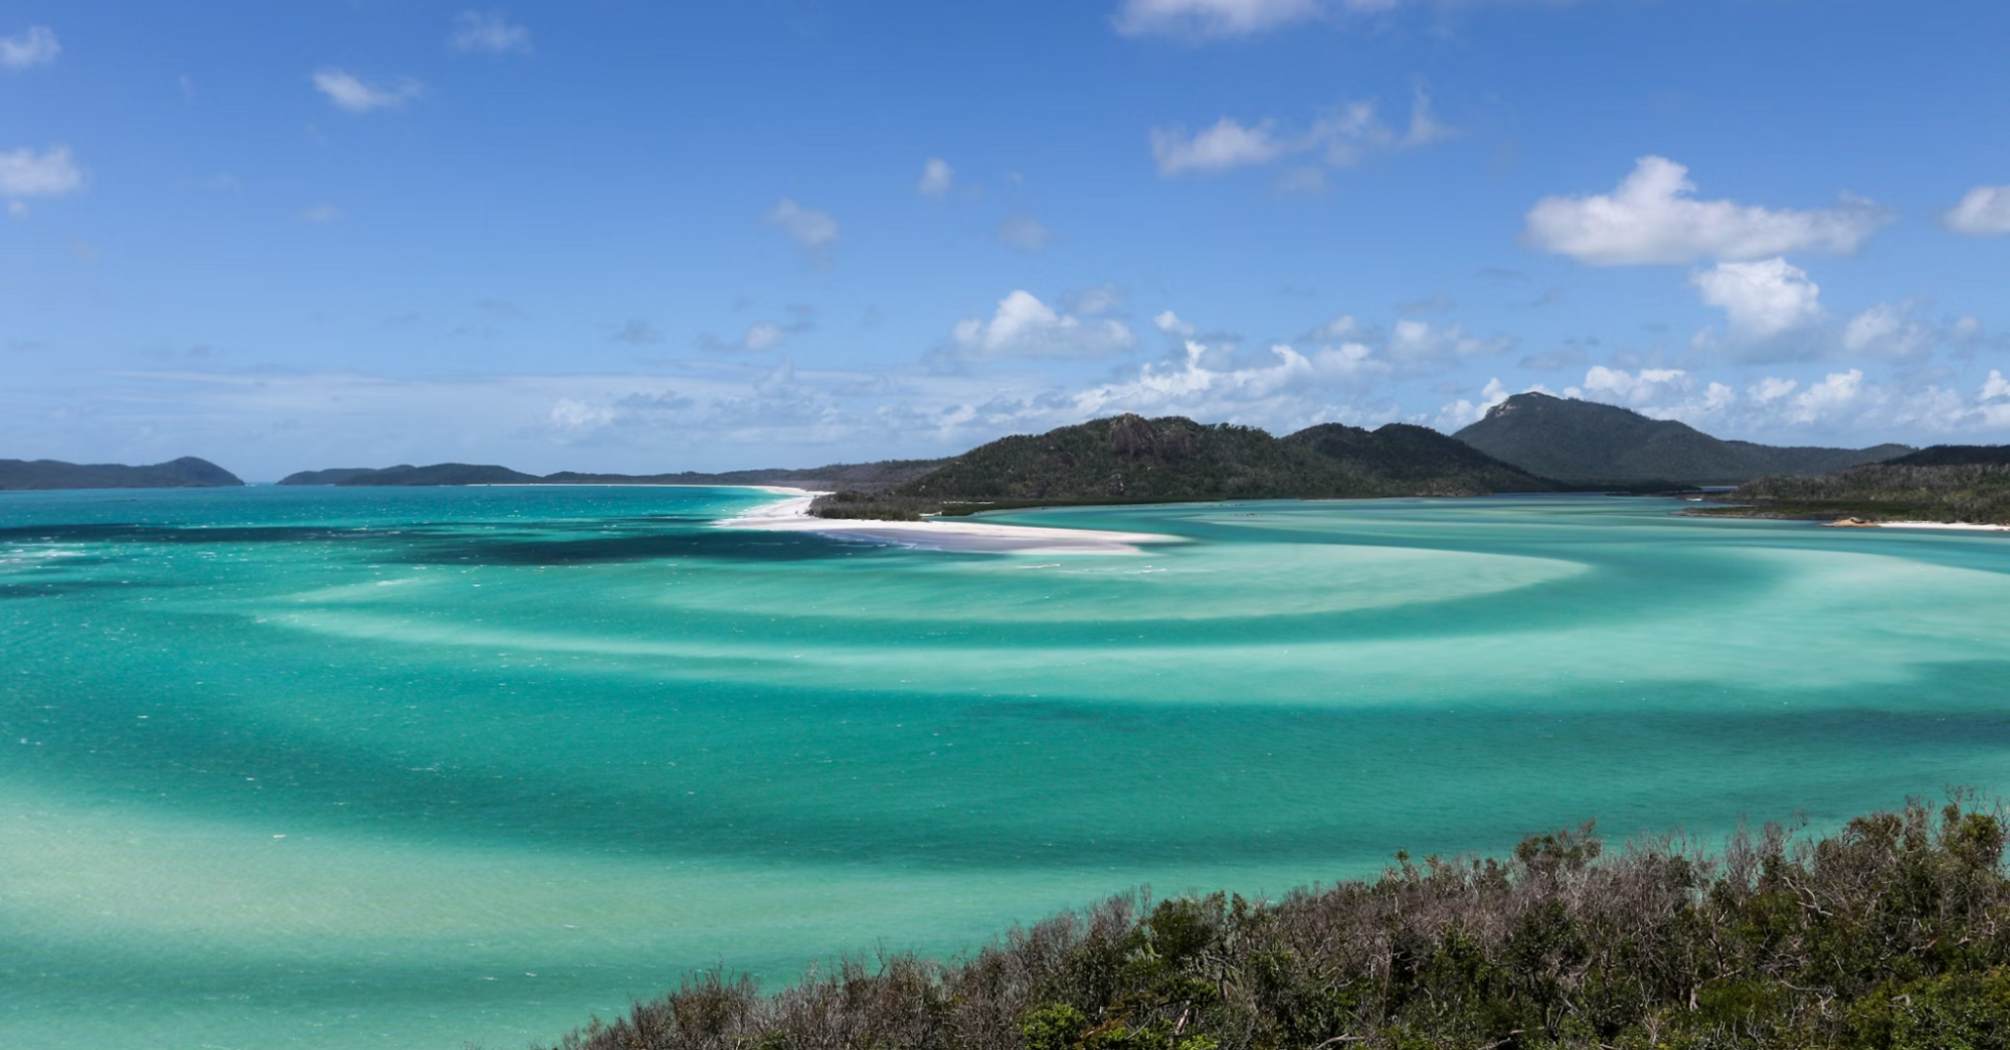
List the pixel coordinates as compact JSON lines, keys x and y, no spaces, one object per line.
{"x":792,"y":515}
{"x":1963,"y":525}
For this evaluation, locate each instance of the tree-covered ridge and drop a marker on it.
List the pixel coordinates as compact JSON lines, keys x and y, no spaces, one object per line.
{"x":1132,"y":459}
{"x":1593,"y":444}
{"x":1892,"y":933}
{"x":186,"y":472}
{"x":1946,"y":489}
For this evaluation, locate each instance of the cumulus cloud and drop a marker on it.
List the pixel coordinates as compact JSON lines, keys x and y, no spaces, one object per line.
{"x":1023,"y":326}
{"x":488,"y":33}
{"x":1420,"y":342}
{"x":813,"y":230}
{"x":351,"y":93}
{"x":1886,"y":330}
{"x":1653,"y":218}
{"x":1024,"y":232}
{"x":1463,"y":413}
{"x":34,"y":46}
{"x":1983,"y":212}
{"x":1227,"y":144}
{"x":26,"y":173}
{"x":1342,"y":137}
{"x":1761,"y":299}
{"x":937,"y":178}
{"x":761,"y":335}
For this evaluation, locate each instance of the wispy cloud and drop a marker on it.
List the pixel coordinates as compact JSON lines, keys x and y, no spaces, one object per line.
{"x":1983,"y":212}
{"x":814,"y":231}
{"x":34,"y":46}
{"x":355,"y":95}
{"x":27,"y":173}
{"x":488,"y":33}
{"x":1342,"y":137}
{"x":937,"y":178}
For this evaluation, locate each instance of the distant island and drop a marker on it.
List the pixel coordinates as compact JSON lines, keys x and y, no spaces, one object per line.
{"x":856,"y":475}
{"x":1591,"y":445}
{"x":187,"y":472}
{"x":1967,"y":484}
{"x":1531,"y":442}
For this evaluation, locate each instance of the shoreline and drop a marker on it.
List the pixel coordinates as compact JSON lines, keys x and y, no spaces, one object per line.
{"x":792,"y":515}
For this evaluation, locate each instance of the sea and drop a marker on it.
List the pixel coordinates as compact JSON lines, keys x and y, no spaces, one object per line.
{"x":416,"y":768}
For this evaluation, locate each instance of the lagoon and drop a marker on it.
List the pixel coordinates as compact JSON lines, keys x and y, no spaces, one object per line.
{"x":317,"y":768}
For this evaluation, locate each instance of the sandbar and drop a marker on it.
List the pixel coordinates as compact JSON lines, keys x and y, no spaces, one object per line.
{"x":792,"y":515}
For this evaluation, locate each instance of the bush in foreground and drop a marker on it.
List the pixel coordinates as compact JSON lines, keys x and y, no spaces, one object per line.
{"x":1893,"y":933}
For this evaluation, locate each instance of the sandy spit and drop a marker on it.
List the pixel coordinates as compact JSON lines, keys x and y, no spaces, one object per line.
{"x":792,"y":515}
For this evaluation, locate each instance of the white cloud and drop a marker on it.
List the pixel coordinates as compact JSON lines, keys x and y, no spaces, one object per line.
{"x":761,"y":335}
{"x":1226,"y":145}
{"x":1023,"y":326}
{"x":34,"y":46}
{"x":937,"y":178}
{"x":1837,"y":391}
{"x":1771,"y":389}
{"x":572,"y":414}
{"x":48,"y":173}
{"x":350,"y":93}
{"x":1761,"y":299}
{"x":1463,"y":413}
{"x":1341,"y":137}
{"x":1634,"y":389}
{"x":1210,"y":18}
{"x":1420,"y":342}
{"x":815,"y":231}
{"x":1995,"y":387}
{"x":490,"y":33}
{"x":320,"y":213}
{"x":1653,"y":219}
{"x":1024,"y":233}
{"x":1170,"y":323}
{"x":1094,"y":302}
{"x":1983,"y":212}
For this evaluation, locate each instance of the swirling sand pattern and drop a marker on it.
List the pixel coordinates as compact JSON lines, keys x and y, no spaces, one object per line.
{"x":367,"y":768}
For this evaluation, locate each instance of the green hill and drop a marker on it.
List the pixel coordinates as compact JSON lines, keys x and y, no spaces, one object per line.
{"x":1593,"y":444}
{"x":1940,"y":489}
{"x":187,"y":472}
{"x":1130,"y":459}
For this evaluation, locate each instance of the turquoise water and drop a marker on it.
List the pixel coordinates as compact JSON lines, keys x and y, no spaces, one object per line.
{"x":381,"y":768}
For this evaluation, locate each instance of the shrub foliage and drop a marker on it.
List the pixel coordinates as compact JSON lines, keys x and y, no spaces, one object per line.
{"x":1894,"y":932}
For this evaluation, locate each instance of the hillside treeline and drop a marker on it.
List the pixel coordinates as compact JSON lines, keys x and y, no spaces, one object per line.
{"x":1894,"y":932}
{"x":1933,"y":490}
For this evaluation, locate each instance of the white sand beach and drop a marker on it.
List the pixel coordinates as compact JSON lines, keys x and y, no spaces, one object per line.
{"x":792,"y":515}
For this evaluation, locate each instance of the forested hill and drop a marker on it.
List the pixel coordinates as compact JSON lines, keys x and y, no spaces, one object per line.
{"x":1945,"y":483}
{"x":1593,"y":444}
{"x":1128,"y":457}
{"x":185,"y":473}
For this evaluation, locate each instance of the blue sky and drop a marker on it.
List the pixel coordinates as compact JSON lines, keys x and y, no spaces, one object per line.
{"x":627,"y":236}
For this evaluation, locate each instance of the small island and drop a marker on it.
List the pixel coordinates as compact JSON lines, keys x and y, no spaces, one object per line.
{"x":187,"y":472}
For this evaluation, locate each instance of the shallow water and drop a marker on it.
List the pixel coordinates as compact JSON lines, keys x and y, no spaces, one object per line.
{"x":403,"y":768}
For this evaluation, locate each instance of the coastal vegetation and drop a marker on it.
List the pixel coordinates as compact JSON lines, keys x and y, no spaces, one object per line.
{"x":1594,"y":445}
{"x":183,"y":473}
{"x":1130,"y":459}
{"x":1892,"y":933}
{"x":1945,"y":483}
